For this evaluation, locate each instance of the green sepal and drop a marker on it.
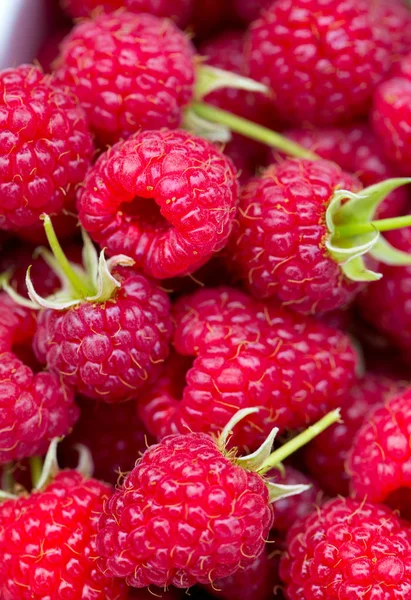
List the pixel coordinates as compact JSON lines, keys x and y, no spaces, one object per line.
{"x":384,"y":252}
{"x":214,"y":132}
{"x":278,"y":491}
{"x":50,"y":465}
{"x":254,"y":461}
{"x":209,"y":79}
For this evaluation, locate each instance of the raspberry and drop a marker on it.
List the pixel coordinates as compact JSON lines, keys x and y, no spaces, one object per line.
{"x":380,"y":459}
{"x":165,"y":198}
{"x":277,"y":245}
{"x":50,"y":49}
{"x":129,"y":71}
{"x":321,"y":58}
{"x":396,"y":16}
{"x":327,"y":467}
{"x":249,"y":10}
{"x":47,"y":543}
{"x":108,"y":351}
{"x":178,"y":10}
{"x":355,"y":149}
{"x":348,"y":550}
{"x":45,"y":147}
{"x":115,"y":437}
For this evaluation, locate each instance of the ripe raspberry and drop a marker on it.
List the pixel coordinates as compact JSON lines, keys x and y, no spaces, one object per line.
{"x":329,"y":468}
{"x":47,"y":543}
{"x":115,"y":437}
{"x":129,"y":71}
{"x":178,"y":10}
{"x":321,"y":58}
{"x":165,"y":198}
{"x":380,"y":459}
{"x":147,"y":593}
{"x":277,"y":245}
{"x":355,"y":149}
{"x":348,"y":550}
{"x":45,"y":147}
{"x":396,"y":16}
{"x":17,"y":324}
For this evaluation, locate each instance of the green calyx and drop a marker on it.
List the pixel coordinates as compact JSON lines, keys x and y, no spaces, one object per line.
{"x":263,"y":460}
{"x":92,"y":282}
{"x":354,"y":233}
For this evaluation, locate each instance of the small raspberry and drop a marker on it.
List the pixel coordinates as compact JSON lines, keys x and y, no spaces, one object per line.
{"x":115,"y":437}
{"x":329,"y":468}
{"x":380,"y":459}
{"x":355,"y":149}
{"x":277,"y":245}
{"x":321,"y":58}
{"x":165,"y":198}
{"x":129,"y":71}
{"x":178,"y":10}
{"x":45,"y":147}
{"x":348,"y":550}
{"x":47,"y":543}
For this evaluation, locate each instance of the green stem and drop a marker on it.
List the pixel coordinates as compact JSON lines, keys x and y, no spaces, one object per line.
{"x":251,"y":130}
{"x":278,"y":456}
{"x":7,"y":480}
{"x":353,"y":229}
{"x":75,"y":280}
{"x":36,"y":468}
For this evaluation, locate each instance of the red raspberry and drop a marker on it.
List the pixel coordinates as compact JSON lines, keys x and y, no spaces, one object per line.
{"x":114,"y":435}
{"x":249,"y":10}
{"x":348,"y":550}
{"x":165,"y":198}
{"x":380,"y":459}
{"x":277,"y":245}
{"x":321,"y":58}
{"x":47,"y":543}
{"x":50,"y":49}
{"x":355,"y":149}
{"x":178,"y":10}
{"x":17,"y":323}
{"x":185,"y":514}
{"x":108,"y":350}
{"x":385,"y":303}
{"x":45,"y":147}
{"x":396,"y":16}
{"x":329,"y":467}
{"x":130,"y":72}
{"x":148,"y":593}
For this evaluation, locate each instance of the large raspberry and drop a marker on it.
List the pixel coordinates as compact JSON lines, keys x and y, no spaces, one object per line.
{"x":321,"y":58}
{"x":185,"y":514}
{"x":45,"y":147}
{"x":129,"y":71}
{"x":178,"y":10}
{"x":47,"y":543}
{"x":277,"y":245}
{"x":108,"y":350}
{"x":165,"y":198}
{"x":348,"y":550}
{"x":329,"y":467}
{"x":380,"y":459}
{"x":357,"y":150}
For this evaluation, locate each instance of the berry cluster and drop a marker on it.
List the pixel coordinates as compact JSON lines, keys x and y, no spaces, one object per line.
{"x":205,"y":303}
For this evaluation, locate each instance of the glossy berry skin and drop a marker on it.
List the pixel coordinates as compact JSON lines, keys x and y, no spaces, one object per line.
{"x":114,"y":435}
{"x":329,"y":468}
{"x":380,"y":458}
{"x":348,"y":550}
{"x":45,"y":147}
{"x":130,"y":72}
{"x":186,"y":514}
{"x":340,"y":52}
{"x":166,"y":198}
{"x":277,"y":246}
{"x":292,"y":367}
{"x":178,"y":10}
{"x":108,"y":351}
{"x":356,"y":149}
{"x":47,"y":543}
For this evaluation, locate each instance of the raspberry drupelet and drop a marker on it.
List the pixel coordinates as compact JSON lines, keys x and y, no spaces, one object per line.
{"x":178,"y":10}
{"x":45,"y":147}
{"x":347,"y":550}
{"x":47,"y":543}
{"x":129,"y":71}
{"x":192,"y":512}
{"x":379,"y":461}
{"x":321,"y":58}
{"x":165,"y":198}
{"x":298,"y":236}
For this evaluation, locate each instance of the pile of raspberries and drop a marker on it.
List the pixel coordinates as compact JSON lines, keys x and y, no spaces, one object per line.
{"x":164,"y":278}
